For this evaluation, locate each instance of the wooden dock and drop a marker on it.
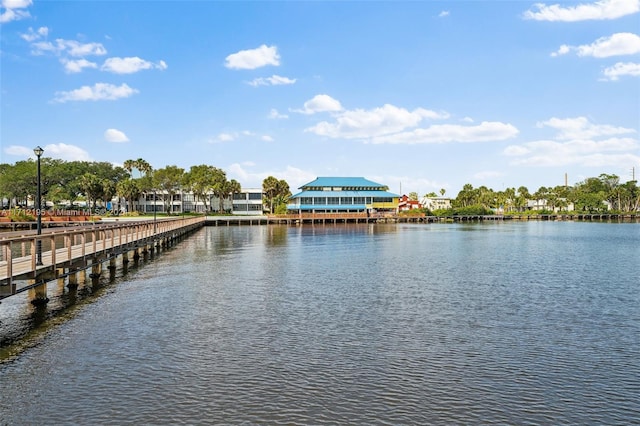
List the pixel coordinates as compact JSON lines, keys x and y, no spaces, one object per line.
{"x":57,"y":252}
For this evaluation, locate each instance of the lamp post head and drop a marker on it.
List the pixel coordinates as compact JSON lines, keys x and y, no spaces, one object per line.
{"x":38,"y":151}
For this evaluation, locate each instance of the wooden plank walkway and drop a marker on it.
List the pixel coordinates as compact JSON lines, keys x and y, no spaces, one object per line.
{"x":63,"y":248}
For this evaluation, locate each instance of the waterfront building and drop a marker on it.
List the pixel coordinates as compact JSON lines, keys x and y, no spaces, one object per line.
{"x":246,"y":202}
{"x":559,"y":205}
{"x":343,"y":194}
{"x":405,"y":204}
{"x":436,"y":203}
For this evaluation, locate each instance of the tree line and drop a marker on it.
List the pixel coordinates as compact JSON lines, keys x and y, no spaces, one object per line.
{"x":93,"y":182}
{"x":68,"y":181}
{"x":593,"y":195}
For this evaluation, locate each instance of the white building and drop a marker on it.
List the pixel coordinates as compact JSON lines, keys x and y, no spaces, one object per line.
{"x":436,"y":203}
{"x":247,"y":202}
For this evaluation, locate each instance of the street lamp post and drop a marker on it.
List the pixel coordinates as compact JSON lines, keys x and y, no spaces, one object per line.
{"x":38,"y":151}
{"x":154,"y":212}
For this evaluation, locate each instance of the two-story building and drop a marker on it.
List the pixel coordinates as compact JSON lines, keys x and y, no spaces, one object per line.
{"x":343,"y":194}
{"x":436,"y":203}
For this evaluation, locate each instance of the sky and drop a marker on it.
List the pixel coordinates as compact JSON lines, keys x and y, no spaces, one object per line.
{"x":417,"y":95}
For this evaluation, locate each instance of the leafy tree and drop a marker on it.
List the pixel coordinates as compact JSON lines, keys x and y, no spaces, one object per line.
{"x":93,"y":187}
{"x":168,"y":180}
{"x":270,"y":190}
{"x":276,"y":193}
{"x":129,"y":190}
{"x":465,"y":197}
{"x":200,"y":180}
{"x":282,"y":195}
{"x":223,"y":188}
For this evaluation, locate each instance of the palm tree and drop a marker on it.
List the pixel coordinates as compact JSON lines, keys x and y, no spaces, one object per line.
{"x":270,"y":190}
{"x":129,"y":165}
{"x":129,"y":190}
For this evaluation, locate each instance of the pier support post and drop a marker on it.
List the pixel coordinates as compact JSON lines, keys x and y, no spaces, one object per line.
{"x":96,"y":269}
{"x":73,"y":279}
{"x":38,"y":294}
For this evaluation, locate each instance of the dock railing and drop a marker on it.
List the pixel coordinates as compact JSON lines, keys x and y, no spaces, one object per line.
{"x":61,"y":246}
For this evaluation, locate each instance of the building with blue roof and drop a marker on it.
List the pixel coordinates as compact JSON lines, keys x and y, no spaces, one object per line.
{"x":342,"y":195}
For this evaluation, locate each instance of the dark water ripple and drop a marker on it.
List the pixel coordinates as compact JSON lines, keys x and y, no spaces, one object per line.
{"x":533,"y":323}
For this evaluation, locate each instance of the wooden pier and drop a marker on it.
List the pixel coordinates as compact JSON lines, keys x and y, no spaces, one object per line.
{"x":64,"y":252}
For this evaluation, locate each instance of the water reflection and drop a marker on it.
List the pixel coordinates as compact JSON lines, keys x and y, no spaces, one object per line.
{"x":507,"y":324}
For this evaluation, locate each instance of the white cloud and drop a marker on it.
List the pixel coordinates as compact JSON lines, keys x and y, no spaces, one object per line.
{"x":115,"y":136}
{"x":32,"y":35}
{"x":364,"y":124}
{"x":621,"y":69}
{"x":69,"y":47}
{"x":130,"y":65}
{"x":76,"y":66}
{"x":610,"y":152}
{"x":443,"y":14}
{"x":581,"y":128}
{"x":232,"y":136}
{"x":99,"y":92}
{"x":75,"y":48}
{"x":274,"y":114}
{"x":604,"y":9}
{"x":615,"y":45}
{"x":487,"y":175}
{"x":12,"y":10}
{"x":61,"y":150}
{"x":320,"y":103}
{"x":19,"y":151}
{"x":253,"y":58}
{"x":225,"y":137}
{"x":274,"y":80}
{"x":66,"y":152}
{"x":487,"y":131}
{"x":16,"y":4}
{"x":294,"y":176}
{"x":578,"y":142}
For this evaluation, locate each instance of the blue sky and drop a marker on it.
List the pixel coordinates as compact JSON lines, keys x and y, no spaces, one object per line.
{"x":418,"y":95}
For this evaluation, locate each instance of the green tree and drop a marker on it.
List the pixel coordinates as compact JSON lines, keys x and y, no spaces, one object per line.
{"x":168,"y":180}
{"x":130,"y":191}
{"x":92,"y":187}
{"x":270,"y":190}
{"x":465,"y":197}
{"x":223,"y":188}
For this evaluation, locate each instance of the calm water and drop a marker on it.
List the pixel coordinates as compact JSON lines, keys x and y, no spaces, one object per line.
{"x":503,"y":323}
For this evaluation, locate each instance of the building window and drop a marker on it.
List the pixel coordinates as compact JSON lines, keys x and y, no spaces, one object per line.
{"x":255,"y":196}
{"x":306,"y":200}
{"x":240,"y":196}
{"x":333,"y":200}
{"x":319,"y":200}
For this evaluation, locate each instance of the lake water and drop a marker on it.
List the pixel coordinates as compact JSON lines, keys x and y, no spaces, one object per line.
{"x":500,"y":323}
